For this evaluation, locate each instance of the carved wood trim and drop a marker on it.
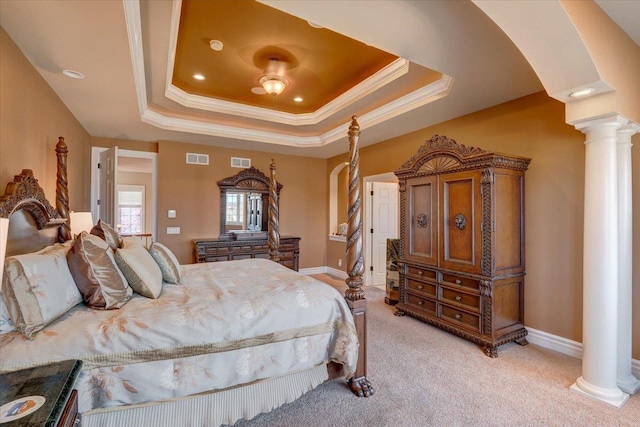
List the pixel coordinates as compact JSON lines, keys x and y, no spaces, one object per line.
{"x":274,"y":230}
{"x":440,"y":154}
{"x":62,"y":189}
{"x":485,"y":190}
{"x":25,"y":193}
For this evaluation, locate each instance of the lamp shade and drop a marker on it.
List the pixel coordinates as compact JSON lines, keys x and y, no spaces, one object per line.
{"x":80,"y":221}
{"x":4,"y":231}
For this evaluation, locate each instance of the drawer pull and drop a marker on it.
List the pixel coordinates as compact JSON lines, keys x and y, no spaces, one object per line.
{"x":458,"y":281}
{"x":420,"y":273}
{"x":458,"y":316}
{"x":458,"y":297}
{"x":420,"y":302}
{"x":420,"y":286}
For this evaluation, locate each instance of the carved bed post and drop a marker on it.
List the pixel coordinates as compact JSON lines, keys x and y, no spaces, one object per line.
{"x":274,"y":232}
{"x":62,"y":190}
{"x":355,"y":265}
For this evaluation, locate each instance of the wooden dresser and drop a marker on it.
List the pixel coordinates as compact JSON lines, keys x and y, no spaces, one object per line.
{"x":462,"y":263}
{"x":212,"y":250}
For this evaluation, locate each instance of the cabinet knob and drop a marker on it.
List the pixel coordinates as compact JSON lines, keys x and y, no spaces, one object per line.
{"x":458,"y":316}
{"x":458,"y":297}
{"x":458,"y":281}
{"x":420,"y":303}
{"x":420,"y":286}
{"x":420,"y":273}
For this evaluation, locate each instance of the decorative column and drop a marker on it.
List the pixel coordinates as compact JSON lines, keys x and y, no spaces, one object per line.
{"x":626,"y":381}
{"x":600,"y":263}
{"x":62,"y":190}
{"x":274,"y":230}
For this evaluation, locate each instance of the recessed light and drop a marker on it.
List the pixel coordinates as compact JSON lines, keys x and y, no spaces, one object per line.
{"x":314,"y":25}
{"x":216,"y":45}
{"x":258,"y":90}
{"x":73,"y":74}
{"x":298,"y":99}
{"x":582,"y":92}
{"x":198,"y":76}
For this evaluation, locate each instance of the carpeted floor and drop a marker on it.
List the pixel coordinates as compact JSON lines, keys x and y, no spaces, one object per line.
{"x":427,"y":377}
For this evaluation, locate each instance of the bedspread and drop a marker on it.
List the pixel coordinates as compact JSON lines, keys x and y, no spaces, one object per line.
{"x":228,"y":323}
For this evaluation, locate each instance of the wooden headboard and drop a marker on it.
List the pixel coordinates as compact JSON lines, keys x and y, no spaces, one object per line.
{"x":34,"y":222}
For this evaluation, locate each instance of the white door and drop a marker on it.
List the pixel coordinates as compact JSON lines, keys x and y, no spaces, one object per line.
{"x":108,"y":185}
{"x":385,"y":226}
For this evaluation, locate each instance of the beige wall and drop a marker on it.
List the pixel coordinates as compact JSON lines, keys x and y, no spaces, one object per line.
{"x":532,"y":127}
{"x":33,"y":117}
{"x":124,"y":144}
{"x":193,"y":191}
{"x":145,"y":179}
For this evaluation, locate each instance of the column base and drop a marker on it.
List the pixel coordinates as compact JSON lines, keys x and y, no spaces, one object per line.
{"x":614,"y":397}
{"x":629,"y":384}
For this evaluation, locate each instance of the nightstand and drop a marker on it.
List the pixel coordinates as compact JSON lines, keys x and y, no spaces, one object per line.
{"x":40,"y":396}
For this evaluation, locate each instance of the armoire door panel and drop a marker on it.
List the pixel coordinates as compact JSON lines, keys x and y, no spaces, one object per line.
{"x":460,"y":207}
{"x":508,"y":216}
{"x":421,"y":221}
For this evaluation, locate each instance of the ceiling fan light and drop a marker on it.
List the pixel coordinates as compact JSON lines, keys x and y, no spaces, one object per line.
{"x":273,"y":84}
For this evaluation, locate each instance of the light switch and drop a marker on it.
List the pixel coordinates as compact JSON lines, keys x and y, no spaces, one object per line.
{"x":171,"y":213}
{"x":173,"y":230}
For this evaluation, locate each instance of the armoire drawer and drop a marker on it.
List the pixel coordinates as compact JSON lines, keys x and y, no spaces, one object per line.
{"x":421,"y":273}
{"x":465,"y":282}
{"x":424,"y":287}
{"x":471,"y":321}
{"x":466,"y":300}
{"x":422,"y":303}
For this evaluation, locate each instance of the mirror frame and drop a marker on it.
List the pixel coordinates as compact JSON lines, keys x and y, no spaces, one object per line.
{"x":249,"y":180}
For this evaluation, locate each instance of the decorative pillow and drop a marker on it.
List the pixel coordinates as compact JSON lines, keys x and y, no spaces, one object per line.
{"x":141,"y":271}
{"x":38,"y":288}
{"x":96,"y":273}
{"x":108,"y":234}
{"x":167,"y":261}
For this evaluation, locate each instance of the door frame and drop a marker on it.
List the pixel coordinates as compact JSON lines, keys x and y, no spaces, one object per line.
{"x":368,"y":217}
{"x":95,"y":181}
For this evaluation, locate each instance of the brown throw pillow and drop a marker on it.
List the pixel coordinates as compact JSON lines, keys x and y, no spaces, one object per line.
{"x":108,"y":234}
{"x":96,"y":273}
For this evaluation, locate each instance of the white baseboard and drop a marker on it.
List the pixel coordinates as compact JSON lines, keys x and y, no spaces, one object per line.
{"x":567,"y":346}
{"x":328,"y":270}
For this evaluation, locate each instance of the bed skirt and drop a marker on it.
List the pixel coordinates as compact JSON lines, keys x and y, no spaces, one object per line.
{"x":214,"y":408}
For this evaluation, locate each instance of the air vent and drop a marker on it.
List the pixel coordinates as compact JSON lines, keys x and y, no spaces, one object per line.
{"x":238,"y":162}
{"x":197,"y":159}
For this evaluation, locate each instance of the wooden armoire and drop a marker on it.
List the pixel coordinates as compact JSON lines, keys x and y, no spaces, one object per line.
{"x":462,"y":263}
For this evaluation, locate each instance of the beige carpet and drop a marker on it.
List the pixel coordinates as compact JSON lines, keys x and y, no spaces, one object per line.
{"x":427,"y":377}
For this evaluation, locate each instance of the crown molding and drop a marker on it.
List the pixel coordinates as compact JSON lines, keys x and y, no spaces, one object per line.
{"x":422,"y":96}
{"x":388,"y":74}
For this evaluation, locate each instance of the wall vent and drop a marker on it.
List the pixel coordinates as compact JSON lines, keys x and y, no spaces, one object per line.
{"x":197,"y":159}
{"x":238,"y":162}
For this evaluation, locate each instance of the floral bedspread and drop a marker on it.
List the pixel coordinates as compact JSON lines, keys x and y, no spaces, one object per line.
{"x":229,"y":323}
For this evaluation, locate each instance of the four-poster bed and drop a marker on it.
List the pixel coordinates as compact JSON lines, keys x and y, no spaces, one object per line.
{"x":230,"y":341}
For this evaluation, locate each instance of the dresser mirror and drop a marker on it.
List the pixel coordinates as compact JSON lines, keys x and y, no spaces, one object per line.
{"x":244,"y":199}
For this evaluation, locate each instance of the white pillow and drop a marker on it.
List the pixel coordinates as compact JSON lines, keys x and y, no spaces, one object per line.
{"x":140,"y":270}
{"x":167,"y":262}
{"x":38,"y":288}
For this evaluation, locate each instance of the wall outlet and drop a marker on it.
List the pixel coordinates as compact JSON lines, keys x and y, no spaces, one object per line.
{"x":339,"y":263}
{"x":173,"y":230}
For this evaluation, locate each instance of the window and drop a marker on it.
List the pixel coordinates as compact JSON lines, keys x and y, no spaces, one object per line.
{"x":235,"y":208}
{"x":131,"y":209}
